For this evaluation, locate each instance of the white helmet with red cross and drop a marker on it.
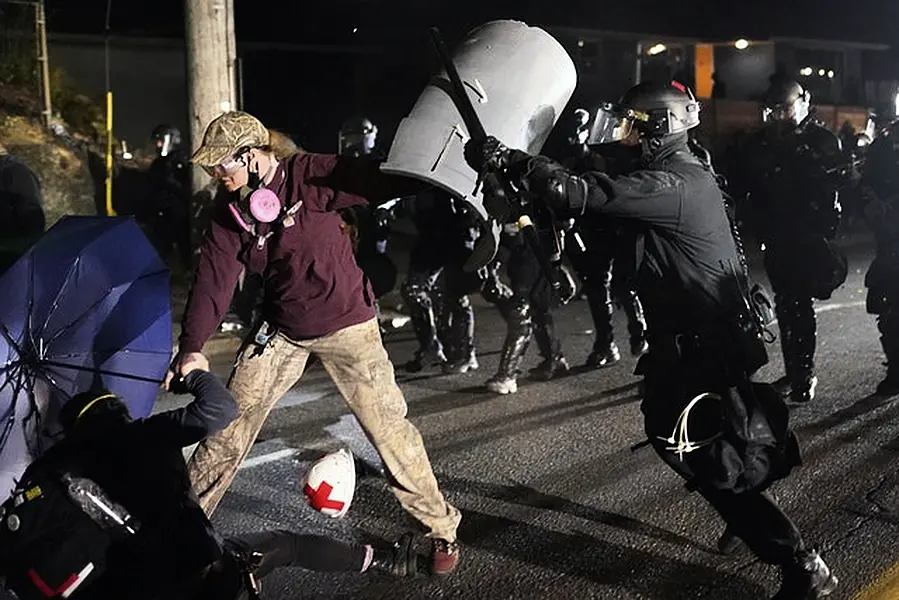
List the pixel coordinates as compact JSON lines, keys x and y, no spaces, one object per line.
{"x":330,"y":483}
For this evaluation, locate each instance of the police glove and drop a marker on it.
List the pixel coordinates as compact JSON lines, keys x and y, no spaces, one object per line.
{"x":490,"y":155}
{"x":551,"y":183}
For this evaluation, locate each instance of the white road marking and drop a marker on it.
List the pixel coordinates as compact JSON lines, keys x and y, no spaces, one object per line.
{"x":839,"y":306}
{"x":269,"y":457}
{"x":348,"y":430}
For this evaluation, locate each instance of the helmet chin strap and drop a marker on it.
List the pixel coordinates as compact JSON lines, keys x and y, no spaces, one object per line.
{"x":650,"y":147}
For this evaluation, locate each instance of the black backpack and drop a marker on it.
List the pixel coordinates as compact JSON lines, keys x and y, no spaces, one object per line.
{"x":54,"y":542}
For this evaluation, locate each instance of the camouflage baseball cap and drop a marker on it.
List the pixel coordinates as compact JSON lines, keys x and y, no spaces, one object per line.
{"x":227,"y":134}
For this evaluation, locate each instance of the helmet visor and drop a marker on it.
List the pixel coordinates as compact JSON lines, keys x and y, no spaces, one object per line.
{"x":793,"y":110}
{"x":610,"y":125}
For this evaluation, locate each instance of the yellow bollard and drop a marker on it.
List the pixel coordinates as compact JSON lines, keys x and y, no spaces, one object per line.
{"x":110,"y":212}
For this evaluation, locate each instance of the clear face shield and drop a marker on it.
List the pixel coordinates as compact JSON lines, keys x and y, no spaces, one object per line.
{"x":794,"y":111}
{"x":164,"y":144}
{"x":611,"y":125}
{"x":358,"y":142}
{"x":870,"y":129}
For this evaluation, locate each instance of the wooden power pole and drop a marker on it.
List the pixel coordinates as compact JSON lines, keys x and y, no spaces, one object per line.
{"x":211,"y":77}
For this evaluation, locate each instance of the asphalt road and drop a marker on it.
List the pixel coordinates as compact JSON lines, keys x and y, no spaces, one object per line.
{"x":554,"y":502}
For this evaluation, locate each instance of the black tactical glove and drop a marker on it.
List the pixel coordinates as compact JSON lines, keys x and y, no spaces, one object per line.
{"x":490,"y":155}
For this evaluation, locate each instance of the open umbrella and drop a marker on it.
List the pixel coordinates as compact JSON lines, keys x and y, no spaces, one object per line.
{"x":88,"y":306}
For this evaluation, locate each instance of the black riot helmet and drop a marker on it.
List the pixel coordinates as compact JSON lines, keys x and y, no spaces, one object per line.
{"x":166,"y":138}
{"x":357,"y":137}
{"x":655,"y":110}
{"x":786,"y":102}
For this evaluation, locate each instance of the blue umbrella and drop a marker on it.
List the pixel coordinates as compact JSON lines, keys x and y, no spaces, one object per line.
{"x":88,"y":306}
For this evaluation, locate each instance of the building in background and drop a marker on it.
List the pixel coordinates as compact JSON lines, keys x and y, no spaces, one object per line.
{"x":610,"y":61}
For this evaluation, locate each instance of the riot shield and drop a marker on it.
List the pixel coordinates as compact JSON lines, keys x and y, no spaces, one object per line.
{"x":519,"y":79}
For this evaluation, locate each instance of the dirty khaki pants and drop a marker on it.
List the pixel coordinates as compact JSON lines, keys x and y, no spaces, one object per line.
{"x":357,"y":362}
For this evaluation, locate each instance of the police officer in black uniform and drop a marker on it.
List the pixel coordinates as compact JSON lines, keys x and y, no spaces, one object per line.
{"x":369,"y":226}
{"x":792,"y":169}
{"x":594,"y":248}
{"x":437,"y":288}
{"x":704,"y":342}
{"x":169,"y":181}
{"x":880,"y":188}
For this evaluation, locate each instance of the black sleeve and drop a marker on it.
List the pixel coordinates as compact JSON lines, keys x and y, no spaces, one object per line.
{"x":650,"y":196}
{"x":212,"y":409}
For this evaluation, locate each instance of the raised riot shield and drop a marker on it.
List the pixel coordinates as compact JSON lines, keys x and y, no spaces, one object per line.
{"x":519,"y":79}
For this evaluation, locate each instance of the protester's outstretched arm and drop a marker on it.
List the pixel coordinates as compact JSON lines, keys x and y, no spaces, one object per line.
{"x":212,"y":409}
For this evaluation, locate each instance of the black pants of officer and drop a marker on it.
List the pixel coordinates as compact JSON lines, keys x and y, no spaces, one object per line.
{"x":595,"y":264}
{"x":436,"y":292}
{"x":882,"y":280}
{"x":796,"y":319}
{"x":528,"y":312}
{"x":751,"y":515}
{"x":171,"y":234}
{"x":888,"y":326}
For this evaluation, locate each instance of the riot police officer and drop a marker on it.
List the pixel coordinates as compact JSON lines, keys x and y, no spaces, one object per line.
{"x":792,"y":170}
{"x":880,"y":185}
{"x":369,"y":226}
{"x":437,"y":289}
{"x":595,"y":248}
{"x":528,"y":312}
{"x":169,"y":195}
{"x":704,"y":342}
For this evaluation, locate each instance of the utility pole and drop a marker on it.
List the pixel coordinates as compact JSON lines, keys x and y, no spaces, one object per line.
{"x":210,"y":74}
{"x":40,"y":22}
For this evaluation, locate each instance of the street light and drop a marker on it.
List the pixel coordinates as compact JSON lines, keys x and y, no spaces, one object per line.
{"x":830,"y":74}
{"x":805,"y":71}
{"x":821,"y":72}
{"x":657,"y":49}
{"x":741,"y":44}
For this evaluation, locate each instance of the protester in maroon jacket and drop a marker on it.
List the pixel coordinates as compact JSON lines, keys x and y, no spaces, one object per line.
{"x":287,"y":228}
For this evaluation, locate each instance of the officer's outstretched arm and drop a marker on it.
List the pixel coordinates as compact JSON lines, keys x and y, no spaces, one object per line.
{"x":649,"y":196}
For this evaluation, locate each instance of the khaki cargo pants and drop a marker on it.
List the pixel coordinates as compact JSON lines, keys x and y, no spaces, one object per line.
{"x":357,"y":362}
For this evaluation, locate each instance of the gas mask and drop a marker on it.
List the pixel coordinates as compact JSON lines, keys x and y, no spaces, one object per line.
{"x":255,"y":204}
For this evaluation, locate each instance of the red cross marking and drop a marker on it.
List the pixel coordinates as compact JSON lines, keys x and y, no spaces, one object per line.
{"x":320,"y":498}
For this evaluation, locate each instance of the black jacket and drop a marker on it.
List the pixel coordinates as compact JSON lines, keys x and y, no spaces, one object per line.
{"x":792,"y":178}
{"x":141,"y":466}
{"x":686,"y":256}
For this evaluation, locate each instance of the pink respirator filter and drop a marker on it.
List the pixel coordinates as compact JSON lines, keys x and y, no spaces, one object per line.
{"x":265,"y":206}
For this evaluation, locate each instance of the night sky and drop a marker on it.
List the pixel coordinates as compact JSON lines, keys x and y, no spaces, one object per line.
{"x":333,"y":20}
{"x":313,"y":115}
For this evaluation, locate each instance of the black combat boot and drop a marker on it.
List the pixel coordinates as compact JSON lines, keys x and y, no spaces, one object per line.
{"x":400,"y":560}
{"x":554,"y":362}
{"x":603,"y":356}
{"x":806,"y":577}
